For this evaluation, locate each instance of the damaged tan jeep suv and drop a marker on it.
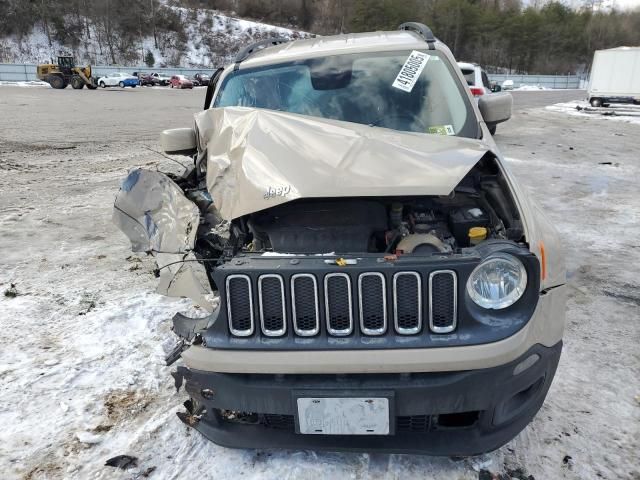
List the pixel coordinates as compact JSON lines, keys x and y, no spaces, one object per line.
{"x":376,"y":278}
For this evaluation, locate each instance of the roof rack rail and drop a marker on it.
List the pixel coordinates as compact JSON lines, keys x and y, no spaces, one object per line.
{"x":422,"y":30}
{"x":254,"y":47}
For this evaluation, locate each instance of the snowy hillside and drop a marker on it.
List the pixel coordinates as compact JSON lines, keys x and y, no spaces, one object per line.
{"x":209,"y":39}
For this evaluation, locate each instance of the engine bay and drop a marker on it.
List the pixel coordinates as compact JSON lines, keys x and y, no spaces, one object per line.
{"x":480,"y":208}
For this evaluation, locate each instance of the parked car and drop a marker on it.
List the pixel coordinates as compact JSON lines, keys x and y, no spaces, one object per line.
{"x":508,"y":85}
{"x":180,"y":81}
{"x":155,"y":79}
{"x":193,"y":80}
{"x":384,"y":281}
{"x":146,"y":80}
{"x":478,"y":82}
{"x":118,"y":79}
{"x":202,"y":78}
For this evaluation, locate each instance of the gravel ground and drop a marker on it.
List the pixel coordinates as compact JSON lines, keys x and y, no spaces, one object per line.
{"x":83,"y":336}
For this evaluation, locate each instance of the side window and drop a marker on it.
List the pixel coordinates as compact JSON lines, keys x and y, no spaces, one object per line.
{"x":485,"y":80}
{"x":469,"y":76}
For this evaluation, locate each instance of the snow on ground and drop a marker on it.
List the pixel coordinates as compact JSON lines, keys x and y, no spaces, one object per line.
{"x":531,"y":88}
{"x":34,"y":83}
{"x":82,"y":374}
{"x":212,"y":40}
{"x":581,"y":108}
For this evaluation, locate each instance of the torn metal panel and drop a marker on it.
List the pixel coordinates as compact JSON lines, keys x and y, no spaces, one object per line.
{"x":261,"y":158}
{"x":153,"y":212}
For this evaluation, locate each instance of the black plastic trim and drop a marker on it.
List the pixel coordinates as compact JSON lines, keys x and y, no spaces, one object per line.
{"x":475,"y":325}
{"x":505,"y":403}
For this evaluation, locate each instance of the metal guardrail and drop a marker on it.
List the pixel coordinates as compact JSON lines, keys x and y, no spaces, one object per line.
{"x":546,"y":81}
{"x":17,"y":72}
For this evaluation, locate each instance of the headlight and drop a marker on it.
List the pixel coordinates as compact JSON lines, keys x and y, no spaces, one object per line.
{"x":497,"y":282}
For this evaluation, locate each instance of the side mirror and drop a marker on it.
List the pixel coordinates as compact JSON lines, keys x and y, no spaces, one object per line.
{"x":496,"y":88}
{"x":496,"y":107}
{"x":180,"y":141}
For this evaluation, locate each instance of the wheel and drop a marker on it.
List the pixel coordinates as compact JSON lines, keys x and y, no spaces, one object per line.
{"x":77,"y":83}
{"x":56,"y":81}
{"x":172,"y":85}
{"x":121,"y":84}
{"x":492,"y":129}
{"x":133,"y":86}
{"x":103,"y":85}
{"x":596,"y":102}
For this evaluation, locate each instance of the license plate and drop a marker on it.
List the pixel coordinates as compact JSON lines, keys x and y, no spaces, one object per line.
{"x":343,"y":416}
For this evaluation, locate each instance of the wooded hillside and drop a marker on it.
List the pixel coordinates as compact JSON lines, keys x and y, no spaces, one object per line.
{"x":499,"y":34}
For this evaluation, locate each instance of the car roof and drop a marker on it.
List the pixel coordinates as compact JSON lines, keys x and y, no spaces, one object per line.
{"x":467,"y":65}
{"x":337,"y":44}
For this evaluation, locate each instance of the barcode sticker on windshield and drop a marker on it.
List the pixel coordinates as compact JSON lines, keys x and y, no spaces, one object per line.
{"x":410,"y":71}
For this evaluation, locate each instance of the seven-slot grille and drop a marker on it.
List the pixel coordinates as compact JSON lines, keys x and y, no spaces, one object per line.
{"x":302,"y":294}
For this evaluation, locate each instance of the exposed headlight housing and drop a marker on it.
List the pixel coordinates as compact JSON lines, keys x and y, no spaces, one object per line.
{"x":498,"y":282}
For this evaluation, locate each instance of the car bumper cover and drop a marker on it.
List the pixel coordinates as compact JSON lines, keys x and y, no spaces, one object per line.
{"x":444,"y":413}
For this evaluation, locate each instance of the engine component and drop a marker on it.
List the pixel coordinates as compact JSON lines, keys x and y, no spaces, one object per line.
{"x":477,"y":235}
{"x":422,"y":243}
{"x":320,"y":226}
{"x":461,"y":220}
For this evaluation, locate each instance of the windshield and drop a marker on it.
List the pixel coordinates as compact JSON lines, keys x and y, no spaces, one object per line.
{"x":362,"y":88}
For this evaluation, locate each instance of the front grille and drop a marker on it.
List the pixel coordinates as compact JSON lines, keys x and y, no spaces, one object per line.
{"x":443,"y":301}
{"x":372,"y":296}
{"x":304,"y":301}
{"x":273,"y":316}
{"x":240,"y":305}
{"x":294,"y":303}
{"x":407,"y":303}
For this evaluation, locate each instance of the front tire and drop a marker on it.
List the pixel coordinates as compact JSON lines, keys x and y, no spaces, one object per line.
{"x":56,"y":81}
{"x":77,"y":83}
{"x":596,"y":102}
{"x":103,"y":85}
{"x":121,"y":84}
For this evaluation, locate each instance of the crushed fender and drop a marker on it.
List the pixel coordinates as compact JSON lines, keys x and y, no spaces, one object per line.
{"x":156,"y":216}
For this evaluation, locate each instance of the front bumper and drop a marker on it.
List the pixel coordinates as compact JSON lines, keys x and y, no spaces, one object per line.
{"x":443,"y":413}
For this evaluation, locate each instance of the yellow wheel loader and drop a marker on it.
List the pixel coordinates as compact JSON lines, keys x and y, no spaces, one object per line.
{"x":63,"y":73}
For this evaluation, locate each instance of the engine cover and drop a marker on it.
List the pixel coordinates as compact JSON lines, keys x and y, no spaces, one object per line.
{"x":321,"y":226}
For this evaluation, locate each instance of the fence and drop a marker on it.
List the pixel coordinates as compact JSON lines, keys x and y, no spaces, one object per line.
{"x":547,"y":81}
{"x":15,"y":72}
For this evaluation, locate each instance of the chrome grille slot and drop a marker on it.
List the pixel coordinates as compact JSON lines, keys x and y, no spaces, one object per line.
{"x":273,"y":316}
{"x":338,"y":304}
{"x":240,"y":305}
{"x":443,"y":301}
{"x":407,"y":302}
{"x":372,"y":298}
{"x":304,"y":303}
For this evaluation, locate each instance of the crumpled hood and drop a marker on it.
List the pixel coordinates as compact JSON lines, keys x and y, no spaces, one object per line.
{"x":258,"y":159}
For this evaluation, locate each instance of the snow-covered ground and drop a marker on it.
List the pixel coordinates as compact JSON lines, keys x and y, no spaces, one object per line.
{"x":212,"y":39}
{"x":34,"y":83}
{"x":531,"y":88}
{"x":615,"y":112}
{"x":82,"y":374}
